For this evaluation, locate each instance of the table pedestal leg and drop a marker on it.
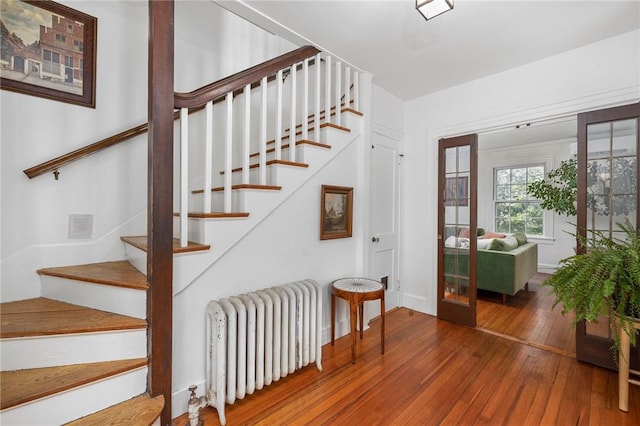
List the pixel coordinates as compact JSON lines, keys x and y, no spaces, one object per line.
{"x":353,"y":318}
{"x":361,"y":317}
{"x":333,"y":318}
{"x":382,"y":325}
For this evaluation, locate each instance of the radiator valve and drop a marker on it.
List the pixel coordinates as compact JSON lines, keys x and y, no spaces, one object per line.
{"x":195,"y":404}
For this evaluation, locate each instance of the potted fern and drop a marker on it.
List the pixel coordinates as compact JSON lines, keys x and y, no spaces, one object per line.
{"x":604,"y":279}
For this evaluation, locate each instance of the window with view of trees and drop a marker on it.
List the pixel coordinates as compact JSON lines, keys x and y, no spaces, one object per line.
{"x":515,"y":210}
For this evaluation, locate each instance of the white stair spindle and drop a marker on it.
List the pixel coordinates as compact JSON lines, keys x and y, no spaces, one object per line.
{"x":208,"y":156}
{"x":246,"y":146}
{"x":316,"y":118}
{"x":347,"y":87}
{"x":263,"y":133}
{"x":278,"y":130}
{"x":228,"y":154}
{"x":356,"y":91}
{"x":184,"y":175}
{"x":338,"y":92}
{"x":305,"y":100}
{"x":292,"y":128}
{"x":327,"y":91}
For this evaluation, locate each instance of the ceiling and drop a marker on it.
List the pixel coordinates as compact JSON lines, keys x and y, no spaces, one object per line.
{"x":410,"y":57}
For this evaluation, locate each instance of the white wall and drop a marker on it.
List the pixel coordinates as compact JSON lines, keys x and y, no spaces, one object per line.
{"x":210,"y":44}
{"x":597,"y":75}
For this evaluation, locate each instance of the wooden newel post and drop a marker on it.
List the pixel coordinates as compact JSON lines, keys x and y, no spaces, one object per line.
{"x":160,"y":202}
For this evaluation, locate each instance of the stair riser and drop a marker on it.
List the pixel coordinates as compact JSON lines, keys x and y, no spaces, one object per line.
{"x":120,"y":300}
{"x":78,"y":402}
{"x":137,"y":257}
{"x":186,"y":266}
{"x":197,"y":228}
{"x":50,"y":351}
{"x":244,"y":200}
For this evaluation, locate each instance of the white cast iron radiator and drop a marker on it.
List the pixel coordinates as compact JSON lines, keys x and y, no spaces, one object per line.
{"x":259,"y":337}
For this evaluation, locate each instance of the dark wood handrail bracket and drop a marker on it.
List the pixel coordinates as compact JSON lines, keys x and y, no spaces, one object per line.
{"x":217,"y":90}
{"x":194,"y":100}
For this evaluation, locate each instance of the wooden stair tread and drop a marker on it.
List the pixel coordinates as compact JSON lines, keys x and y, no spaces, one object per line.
{"x":241,"y":186}
{"x":45,"y":317}
{"x":286,"y":146}
{"x":215,"y":215}
{"x":141,"y":243}
{"x":139,"y":411}
{"x":22,"y":386}
{"x":218,"y":215}
{"x":335,"y":126}
{"x":311,"y":117}
{"x":119,"y":274}
{"x":353,"y":111}
{"x":249,"y":186}
{"x":271,"y":163}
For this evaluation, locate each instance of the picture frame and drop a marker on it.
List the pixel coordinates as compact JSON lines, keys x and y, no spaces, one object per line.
{"x":456,"y":191}
{"x":50,"y":51}
{"x":336,"y":212}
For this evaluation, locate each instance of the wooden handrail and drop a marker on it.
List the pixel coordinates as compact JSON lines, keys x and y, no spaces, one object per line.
{"x":54,"y":164}
{"x":215,"y":91}
{"x":194,"y":100}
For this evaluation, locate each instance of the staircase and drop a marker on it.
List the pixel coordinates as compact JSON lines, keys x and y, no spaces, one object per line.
{"x":78,"y":354}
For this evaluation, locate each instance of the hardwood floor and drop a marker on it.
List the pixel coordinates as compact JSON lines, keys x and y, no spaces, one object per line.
{"x":434,"y":372}
{"x":528,"y":316}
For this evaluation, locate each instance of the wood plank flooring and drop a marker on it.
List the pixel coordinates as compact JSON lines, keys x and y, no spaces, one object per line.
{"x":528,"y":316}
{"x":434,"y":372}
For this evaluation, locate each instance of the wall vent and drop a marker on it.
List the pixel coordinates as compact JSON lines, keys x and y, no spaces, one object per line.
{"x":80,"y":226}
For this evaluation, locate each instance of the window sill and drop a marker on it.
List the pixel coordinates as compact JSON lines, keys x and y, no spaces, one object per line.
{"x":541,"y":239}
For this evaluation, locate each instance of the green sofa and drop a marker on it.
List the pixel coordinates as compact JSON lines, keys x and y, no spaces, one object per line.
{"x":504,"y":272}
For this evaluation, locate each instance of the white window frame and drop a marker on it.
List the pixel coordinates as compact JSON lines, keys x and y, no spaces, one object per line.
{"x":524,"y":158}
{"x":495,"y":190}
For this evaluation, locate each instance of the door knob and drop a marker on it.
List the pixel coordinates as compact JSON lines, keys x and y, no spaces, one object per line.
{"x":375,"y":239}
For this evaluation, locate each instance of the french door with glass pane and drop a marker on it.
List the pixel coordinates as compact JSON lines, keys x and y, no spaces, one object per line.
{"x":608,"y":146}
{"x":457,"y":177}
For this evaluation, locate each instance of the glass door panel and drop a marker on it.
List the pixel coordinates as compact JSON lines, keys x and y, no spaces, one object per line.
{"x":456,"y":224}
{"x":608,"y":143}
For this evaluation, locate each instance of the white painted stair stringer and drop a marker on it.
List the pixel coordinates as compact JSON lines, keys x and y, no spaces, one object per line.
{"x":259,"y":204}
{"x":79,"y":401}
{"x":223,"y":234}
{"x":67,"y":349}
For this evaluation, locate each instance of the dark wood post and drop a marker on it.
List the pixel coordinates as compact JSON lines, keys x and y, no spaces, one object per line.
{"x":160,"y":203}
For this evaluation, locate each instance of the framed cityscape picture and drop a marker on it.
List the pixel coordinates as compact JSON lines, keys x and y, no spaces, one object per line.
{"x":336,"y":212}
{"x":48,"y":50}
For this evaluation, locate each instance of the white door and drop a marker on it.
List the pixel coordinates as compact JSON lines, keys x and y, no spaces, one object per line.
{"x":384,"y":214}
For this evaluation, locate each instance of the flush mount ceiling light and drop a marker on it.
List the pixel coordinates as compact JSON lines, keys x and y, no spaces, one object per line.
{"x":432,"y":8}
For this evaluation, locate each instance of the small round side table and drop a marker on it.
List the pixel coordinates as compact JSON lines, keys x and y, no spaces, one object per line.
{"x":356,"y":291}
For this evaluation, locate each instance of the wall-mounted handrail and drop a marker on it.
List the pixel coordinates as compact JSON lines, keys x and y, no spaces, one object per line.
{"x":54,"y":164}
{"x":236,"y":83}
